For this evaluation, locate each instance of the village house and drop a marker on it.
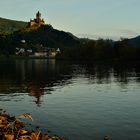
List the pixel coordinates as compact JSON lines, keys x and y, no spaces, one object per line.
{"x":47,"y":52}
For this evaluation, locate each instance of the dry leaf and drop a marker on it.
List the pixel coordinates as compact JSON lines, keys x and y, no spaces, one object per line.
{"x":45,"y":137}
{"x":24,"y":138}
{"x":22,"y":131}
{"x":3,"y":120}
{"x":26,"y":115}
{"x":9,"y":136}
{"x":35,"y":135}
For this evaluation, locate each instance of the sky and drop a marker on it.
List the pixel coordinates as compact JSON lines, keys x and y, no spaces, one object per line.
{"x":84,"y":18}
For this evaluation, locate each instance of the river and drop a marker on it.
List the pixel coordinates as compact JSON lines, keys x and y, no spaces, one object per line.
{"x":77,"y":101}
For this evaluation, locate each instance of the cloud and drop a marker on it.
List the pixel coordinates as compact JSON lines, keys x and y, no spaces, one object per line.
{"x":129,"y":32}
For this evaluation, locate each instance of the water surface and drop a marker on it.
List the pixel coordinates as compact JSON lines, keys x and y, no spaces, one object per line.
{"x":77,"y":101}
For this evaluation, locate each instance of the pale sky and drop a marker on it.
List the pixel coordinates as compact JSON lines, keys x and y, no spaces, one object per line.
{"x":86,"y":18}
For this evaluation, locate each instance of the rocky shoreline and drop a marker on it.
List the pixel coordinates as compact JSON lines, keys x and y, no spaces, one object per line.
{"x":12,"y":128}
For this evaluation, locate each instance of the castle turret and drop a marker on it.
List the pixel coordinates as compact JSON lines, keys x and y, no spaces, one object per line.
{"x":38,"y":15}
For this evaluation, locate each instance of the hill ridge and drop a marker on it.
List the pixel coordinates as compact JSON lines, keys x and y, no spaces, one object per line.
{"x":8,"y":26}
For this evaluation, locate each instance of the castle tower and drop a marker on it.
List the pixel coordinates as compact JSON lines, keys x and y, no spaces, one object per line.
{"x":37,"y":21}
{"x":38,"y":15}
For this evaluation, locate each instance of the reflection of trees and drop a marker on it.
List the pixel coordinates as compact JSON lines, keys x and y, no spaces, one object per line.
{"x":38,"y":77}
{"x":98,"y":73}
{"x":123,"y":72}
{"x":104,"y":72}
{"x":32,"y":76}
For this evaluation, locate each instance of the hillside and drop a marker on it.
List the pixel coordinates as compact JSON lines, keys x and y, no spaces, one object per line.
{"x":39,"y":36}
{"x":47,"y":36}
{"x":134,"y":41}
{"x":8,"y":26}
{"x":44,"y":35}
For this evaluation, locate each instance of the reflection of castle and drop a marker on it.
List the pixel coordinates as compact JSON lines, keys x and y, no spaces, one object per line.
{"x":37,"y":21}
{"x":37,"y":92}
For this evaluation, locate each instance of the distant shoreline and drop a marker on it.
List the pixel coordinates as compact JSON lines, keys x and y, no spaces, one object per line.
{"x":25,"y":57}
{"x":113,"y":61}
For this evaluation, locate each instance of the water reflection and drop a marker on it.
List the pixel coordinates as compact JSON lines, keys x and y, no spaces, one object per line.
{"x":37,"y":92}
{"x":38,"y":77}
{"x":121,"y":73}
{"x":32,"y":77}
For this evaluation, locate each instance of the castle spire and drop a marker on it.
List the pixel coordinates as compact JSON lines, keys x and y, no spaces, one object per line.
{"x":38,"y":15}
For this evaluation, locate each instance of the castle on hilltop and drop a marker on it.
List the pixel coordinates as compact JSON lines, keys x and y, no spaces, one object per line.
{"x":37,"y":21}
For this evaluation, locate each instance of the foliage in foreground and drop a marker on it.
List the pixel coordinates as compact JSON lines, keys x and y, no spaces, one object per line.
{"x":12,"y":128}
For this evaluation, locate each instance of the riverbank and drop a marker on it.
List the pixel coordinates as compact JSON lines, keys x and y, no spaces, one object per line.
{"x":15,"y":128}
{"x":24,"y":57}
